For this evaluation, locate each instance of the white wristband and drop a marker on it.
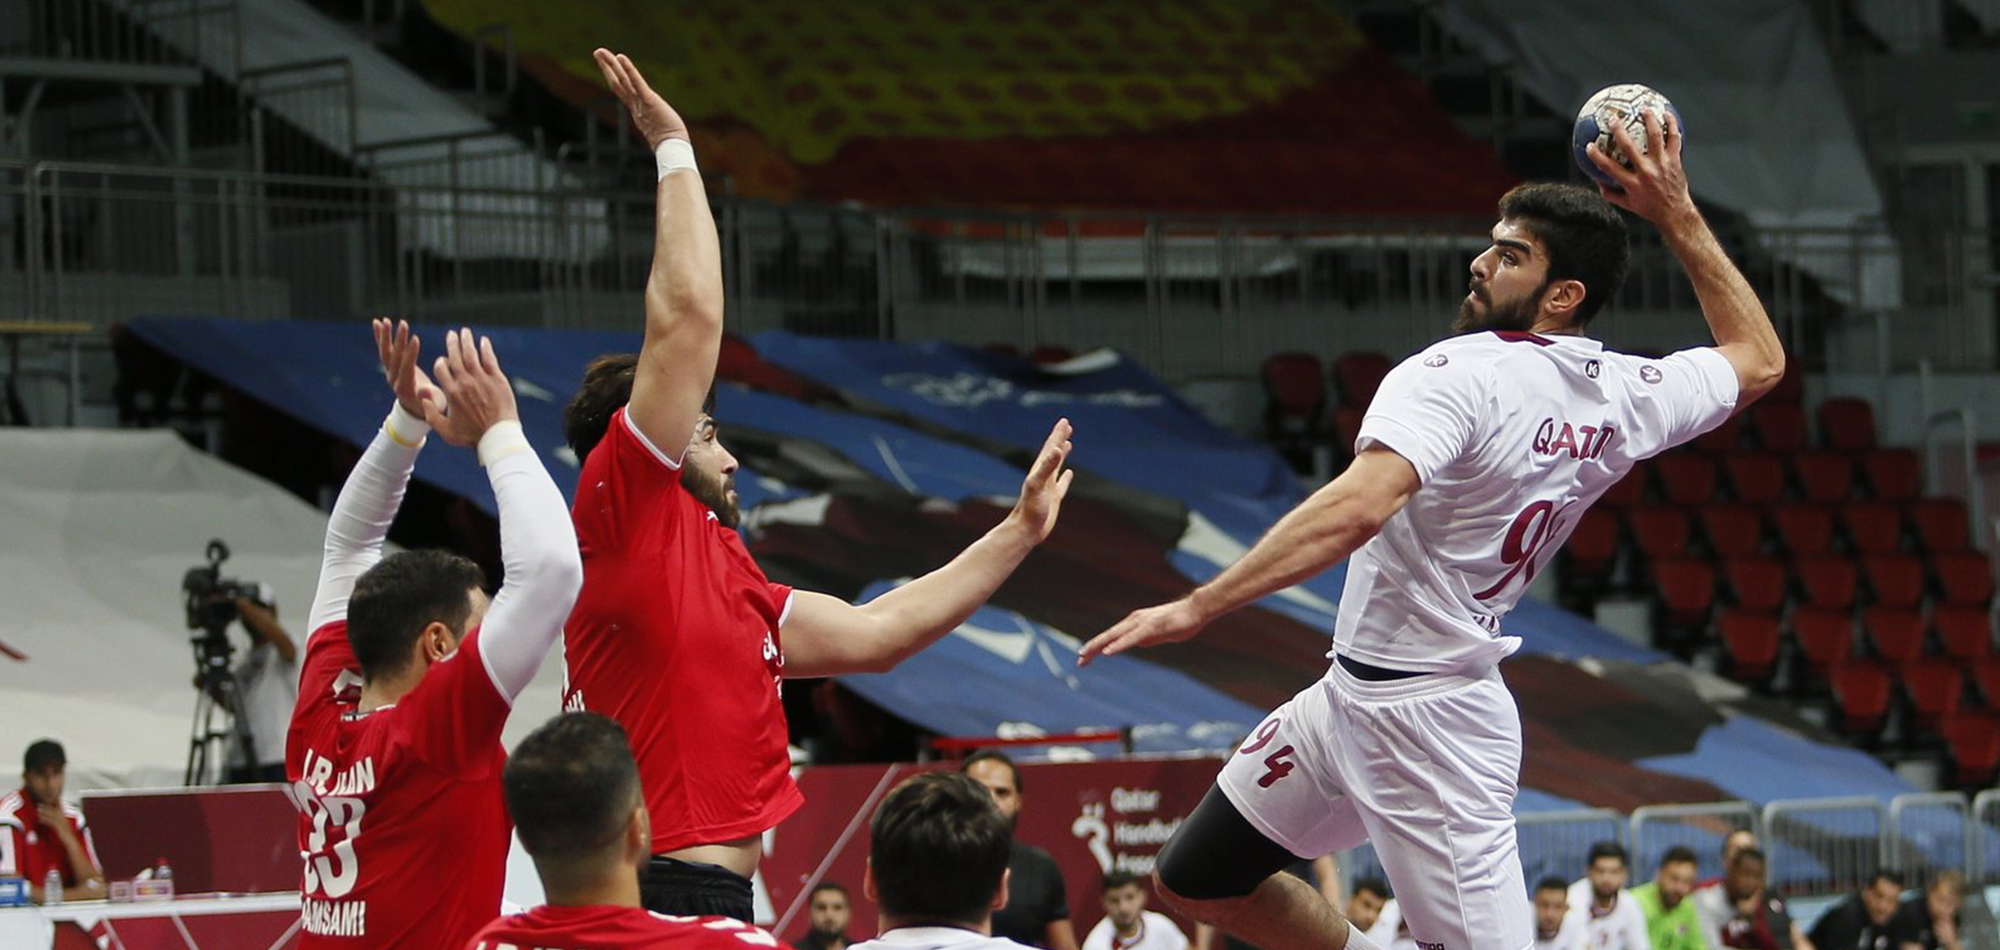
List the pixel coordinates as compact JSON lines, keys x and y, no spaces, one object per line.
{"x":407,"y":430}
{"x":674,"y":155}
{"x":502,"y":439}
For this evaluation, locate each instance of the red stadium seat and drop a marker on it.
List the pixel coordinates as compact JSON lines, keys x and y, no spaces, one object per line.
{"x":1965,"y":632}
{"x":1986,"y":678}
{"x":1660,"y":531}
{"x":1294,"y":404}
{"x":1756,"y":583}
{"x":1357,"y":375}
{"x":1686,"y":591}
{"x":1756,"y":478}
{"x":1896,"y":634}
{"x":1592,"y":549}
{"x":1942,"y":525}
{"x":1872,"y":527}
{"x":1686,"y":478}
{"x":1733,"y":530}
{"x":1893,"y":474}
{"x":1829,"y":582}
{"x":1935,"y":689}
{"x":1722,"y":439}
{"x":1897,"y":580}
{"x":1973,"y":739}
{"x":1847,"y":425}
{"x":1804,"y":530}
{"x":1791,"y":388}
{"x":1824,"y":478}
{"x":1627,"y":491}
{"x":1965,"y":579}
{"x":1781,"y":427}
{"x":1750,"y":642}
{"x":1346,"y":428}
{"x":1826,"y":637}
{"x":1861,"y":691}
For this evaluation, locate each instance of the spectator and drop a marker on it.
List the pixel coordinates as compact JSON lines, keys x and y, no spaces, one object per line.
{"x":1127,"y":924}
{"x":1741,"y":913}
{"x":1608,"y":917}
{"x":938,"y":857}
{"x":1554,"y":928}
{"x":38,"y":833}
{"x":1037,"y":909}
{"x":1931,"y":922}
{"x":1736,"y":841}
{"x":1364,"y":906}
{"x":267,"y":682}
{"x":1861,"y":922}
{"x":827,"y":915}
{"x":1671,"y":921}
{"x":1391,"y":931}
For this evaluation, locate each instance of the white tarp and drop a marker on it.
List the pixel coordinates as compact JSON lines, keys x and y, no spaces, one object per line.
{"x":97,"y":528}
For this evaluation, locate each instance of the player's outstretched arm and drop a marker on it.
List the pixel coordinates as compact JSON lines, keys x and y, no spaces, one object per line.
{"x":684,"y":289}
{"x":1321,"y":532}
{"x":825,"y":635}
{"x":374,"y":490}
{"x":1656,"y":188}
{"x":537,"y":542}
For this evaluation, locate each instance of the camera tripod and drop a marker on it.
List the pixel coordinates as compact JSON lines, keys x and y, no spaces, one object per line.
{"x":217,"y":707}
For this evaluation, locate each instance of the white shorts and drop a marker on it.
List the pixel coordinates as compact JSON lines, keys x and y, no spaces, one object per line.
{"x":1426,"y":768}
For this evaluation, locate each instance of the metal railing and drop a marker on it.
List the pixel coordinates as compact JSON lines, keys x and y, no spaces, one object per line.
{"x":1929,"y":834}
{"x":1985,"y":857}
{"x":1824,"y":845}
{"x":1558,"y":843}
{"x":1701,"y":828}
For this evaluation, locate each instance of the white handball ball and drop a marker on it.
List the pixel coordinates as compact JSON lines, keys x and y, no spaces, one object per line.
{"x":1610,"y":107}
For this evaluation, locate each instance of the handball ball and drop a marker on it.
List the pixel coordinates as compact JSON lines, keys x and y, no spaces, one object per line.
{"x":1614,"y":105}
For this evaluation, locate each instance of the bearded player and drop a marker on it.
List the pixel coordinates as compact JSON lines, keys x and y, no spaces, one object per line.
{"x":678,"y":636}
{"x":1473,"y":463}
{"x":402,"y":828}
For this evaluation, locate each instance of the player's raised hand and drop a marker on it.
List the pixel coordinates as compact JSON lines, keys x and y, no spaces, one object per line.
{"x":1048,"y":481}
{"x":1170,"y":622}
{"x":655,"y":120}
{"x":398,"y":349}
{"x":1655,"y":187}
{"x":479,"y":393}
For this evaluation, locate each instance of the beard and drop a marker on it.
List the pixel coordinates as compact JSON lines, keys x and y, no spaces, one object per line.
{"x":714,"y":489}
{"x":1517,"y":315}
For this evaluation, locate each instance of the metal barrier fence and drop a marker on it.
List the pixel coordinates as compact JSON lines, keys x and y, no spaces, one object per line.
{"x":1929,"y":834}
{"x":1701,"y":828}
{"x":1192,"y":296}
{"x":1985,"y":857}
{"x":1557,"y":844}
{"x":1824,"y":845}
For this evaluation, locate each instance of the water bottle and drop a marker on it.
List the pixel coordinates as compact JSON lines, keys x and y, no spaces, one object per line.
{"x":52,"y":888}
{"x":164,"y":872}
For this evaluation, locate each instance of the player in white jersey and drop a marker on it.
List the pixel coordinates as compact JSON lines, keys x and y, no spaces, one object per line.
{"x":1599,"y":903}
{"x":1473,"y":464}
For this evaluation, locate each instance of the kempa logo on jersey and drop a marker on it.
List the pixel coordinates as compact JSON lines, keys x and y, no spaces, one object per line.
{"x":1651,"y":374}
{"x":1436,"y":360}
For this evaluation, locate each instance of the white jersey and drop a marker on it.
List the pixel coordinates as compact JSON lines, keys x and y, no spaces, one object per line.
{"x":1513,"y":435}
{"x":1623,"y":927}
{"x":1569,"y":935}
{"x":1156,"y":932}
{"x":937,"y":938}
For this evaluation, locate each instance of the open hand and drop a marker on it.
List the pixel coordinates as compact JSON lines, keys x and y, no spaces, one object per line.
{"x":1048,"y":481}
{"x":1655,"y":187}
{"x":398,"y":347}
{"x":655,"y":120}
{"x":1170,"y":622}
{"x":480,"y":395}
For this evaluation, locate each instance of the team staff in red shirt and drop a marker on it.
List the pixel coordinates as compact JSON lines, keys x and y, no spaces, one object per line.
{"x":39,"y":833}
{"x":402,"y":828}
{"x":678,"y":635}
{"x":573,"y":791}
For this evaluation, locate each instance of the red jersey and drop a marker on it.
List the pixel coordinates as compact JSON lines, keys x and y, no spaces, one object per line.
{"x":402,"y":827}
{"x":616,"y":928}
{"x":29,"y":848}
{"x":675,"y":636}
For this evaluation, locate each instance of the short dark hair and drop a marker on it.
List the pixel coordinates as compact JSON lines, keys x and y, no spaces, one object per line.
{"x":826,"y":886}
{"x":403,"y":593}
{"x":1551,"y":883}
{"x":1118,"y":879}
{"x":1372,"y":885}
{"x":938,"y":848}
{"x":1749,"y":854}
{"x":993,"y":755}
{"x":1608,"y":849}
{"x":1886,"y":874}
{"x":571,"y":786}
{"x":1582,"y":235}
{"x":43,"y":754}
{"x":1679,"y":854}
{"x":607,"y":384}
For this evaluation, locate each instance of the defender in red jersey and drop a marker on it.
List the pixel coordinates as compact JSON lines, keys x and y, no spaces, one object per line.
{"x":677,"y":634}
{"x":573,"y":791}
{"x":402,"y":829}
